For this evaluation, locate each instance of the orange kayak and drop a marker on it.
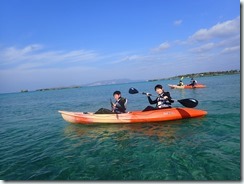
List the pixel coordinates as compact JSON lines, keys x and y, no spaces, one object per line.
{"x":159,"y":115}
{"x":186,"y":86}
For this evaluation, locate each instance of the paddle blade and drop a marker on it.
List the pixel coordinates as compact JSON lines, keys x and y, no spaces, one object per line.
{"x":133,"y":91}
{"x":188,"y":102}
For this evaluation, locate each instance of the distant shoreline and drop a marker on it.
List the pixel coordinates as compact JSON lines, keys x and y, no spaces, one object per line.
{"x":193,"y":75}
{"x":57,"y":88}
{"x":202,"y":74}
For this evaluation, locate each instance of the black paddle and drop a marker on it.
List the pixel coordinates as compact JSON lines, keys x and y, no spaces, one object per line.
{"x":188,"y":102}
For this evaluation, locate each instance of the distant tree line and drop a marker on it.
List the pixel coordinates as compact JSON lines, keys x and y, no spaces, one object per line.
{"x":202,"y":74}
{"x":57,"y":88}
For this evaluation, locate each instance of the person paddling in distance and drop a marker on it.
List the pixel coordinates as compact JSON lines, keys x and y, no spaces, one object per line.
{"x":180,"y":83}
{"x":120,"y":104}
{"x":162,"y":101}
{"x":118,"y":107}
{"x":193,"y":82}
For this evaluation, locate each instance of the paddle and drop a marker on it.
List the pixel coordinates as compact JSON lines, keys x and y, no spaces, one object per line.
{"x":188,"y":102}
{"x":112,"y":104}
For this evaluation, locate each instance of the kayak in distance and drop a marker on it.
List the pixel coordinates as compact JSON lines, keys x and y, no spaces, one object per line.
{"x":159,"y":115}
{"x":186,"y":86}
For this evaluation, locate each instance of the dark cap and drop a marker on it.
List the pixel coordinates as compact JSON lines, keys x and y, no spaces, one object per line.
{"x":117,"y":92}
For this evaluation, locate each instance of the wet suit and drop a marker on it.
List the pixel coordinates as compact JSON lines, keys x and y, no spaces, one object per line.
{"x":160,"y":102}
{"x":193,"y":83}
{"x":118,"y":109}
{"x":120,"y":105}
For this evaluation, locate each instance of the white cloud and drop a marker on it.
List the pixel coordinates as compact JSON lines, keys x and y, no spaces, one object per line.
{"x":216,"y":40}
{"x":203,"y":48}
{"x":35,"y":56}
{"x":230,"y":49}
{"x":12,"y":54}
{"x":178,"y":22}
{"x":131,"y":58}
{"x":221,"y":38}
{"x":219,"y":30}
{"x":162,"y":47}
{"x":31,"y":48}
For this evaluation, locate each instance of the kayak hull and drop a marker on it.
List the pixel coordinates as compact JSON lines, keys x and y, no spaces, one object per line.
{"x":186,"y":86}
{"x":159,"y":115}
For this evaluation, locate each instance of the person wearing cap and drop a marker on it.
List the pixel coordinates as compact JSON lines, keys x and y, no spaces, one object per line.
{"x":120,"y":104}
{"x":163,"y":100}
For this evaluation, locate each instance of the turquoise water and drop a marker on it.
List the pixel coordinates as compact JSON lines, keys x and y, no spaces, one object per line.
{"x":37,"y":144}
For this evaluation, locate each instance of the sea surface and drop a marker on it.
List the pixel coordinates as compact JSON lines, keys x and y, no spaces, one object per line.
{"x":37,"y":144}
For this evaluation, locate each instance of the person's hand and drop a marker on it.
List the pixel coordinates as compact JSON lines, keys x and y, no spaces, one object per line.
{"x":165,"y":97}
{"x":148,"y":94}
{"x":113,"y":105}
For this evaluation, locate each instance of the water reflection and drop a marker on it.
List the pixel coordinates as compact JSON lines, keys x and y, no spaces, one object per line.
{"x":162,"y":132}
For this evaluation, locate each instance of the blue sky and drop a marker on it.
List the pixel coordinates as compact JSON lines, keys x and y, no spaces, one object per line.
{"x":52,"y":43}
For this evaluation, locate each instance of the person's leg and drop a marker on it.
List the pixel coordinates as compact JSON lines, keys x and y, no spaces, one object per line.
{"x":104,"y":111}
{"x":149,"y":108}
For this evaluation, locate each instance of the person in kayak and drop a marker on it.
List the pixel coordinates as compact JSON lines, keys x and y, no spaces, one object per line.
{"x":180,"y":83}
{"x":193,"y":82}
{"x":163,"y":100}
{"x":118,"y":107}
{"x":120,"y":104}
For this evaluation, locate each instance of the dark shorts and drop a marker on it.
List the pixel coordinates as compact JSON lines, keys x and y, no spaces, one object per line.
{"x":104,"y":111}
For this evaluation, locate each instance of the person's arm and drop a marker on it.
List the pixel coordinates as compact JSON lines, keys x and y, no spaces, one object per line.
{"x":152,"y":101}
{"x":121,"y":105}
{"x":168,"y":97}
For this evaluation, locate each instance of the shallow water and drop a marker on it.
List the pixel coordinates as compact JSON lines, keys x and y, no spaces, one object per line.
{"x":37,"y":144}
